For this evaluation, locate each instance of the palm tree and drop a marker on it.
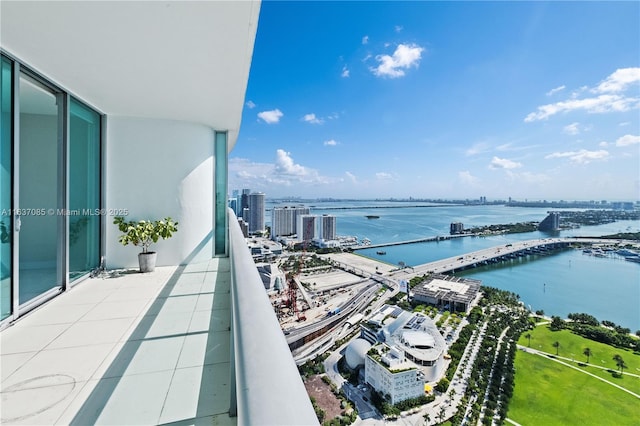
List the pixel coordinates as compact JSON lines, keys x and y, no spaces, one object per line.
{"x":556,"y":345}
{"x":617,"y":358}
{"x":619,"y":362}
{"x":528,"y":336}
{"x":427,"y":418}
{"x":622,"y":366}
{"x":587,"y":352}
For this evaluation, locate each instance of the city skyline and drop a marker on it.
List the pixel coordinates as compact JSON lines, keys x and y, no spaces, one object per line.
{"x":528,"y":100}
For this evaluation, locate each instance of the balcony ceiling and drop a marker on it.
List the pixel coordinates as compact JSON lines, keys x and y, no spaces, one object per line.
{"x":179,"y":60}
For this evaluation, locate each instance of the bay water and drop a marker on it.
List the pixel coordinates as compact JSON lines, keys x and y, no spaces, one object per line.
{"x":560,"y":283}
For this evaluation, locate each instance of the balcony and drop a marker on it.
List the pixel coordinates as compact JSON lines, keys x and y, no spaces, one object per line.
{"x":189,"y":344}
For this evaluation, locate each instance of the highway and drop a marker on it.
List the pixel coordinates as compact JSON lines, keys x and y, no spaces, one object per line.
{"x":353,"y":305}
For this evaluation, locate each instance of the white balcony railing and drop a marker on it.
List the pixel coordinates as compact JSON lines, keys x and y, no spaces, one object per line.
{"x":268,"y":388}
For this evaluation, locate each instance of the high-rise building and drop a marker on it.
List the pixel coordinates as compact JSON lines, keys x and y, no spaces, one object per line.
{"x":328,"y":227}
{"x":284,"y":220}
{"x":550,"y":223}
{"x":233,"y":201}
{"x":233,"y":205}
{"x":306,"y":227}
{"x":256,"y":212}
{"x":244,"y":201}
{"x":456,"y":228}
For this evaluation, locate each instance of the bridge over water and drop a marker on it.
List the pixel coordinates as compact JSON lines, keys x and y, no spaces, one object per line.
{"x":496,"y":254}
{"x":418,"y":240}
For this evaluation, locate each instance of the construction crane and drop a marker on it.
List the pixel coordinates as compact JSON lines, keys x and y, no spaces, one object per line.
{"x":292,"y":293}
{"x":292,"y":284}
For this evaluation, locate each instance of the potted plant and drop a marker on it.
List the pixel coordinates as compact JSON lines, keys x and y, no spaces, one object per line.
{"x":143,"y":233}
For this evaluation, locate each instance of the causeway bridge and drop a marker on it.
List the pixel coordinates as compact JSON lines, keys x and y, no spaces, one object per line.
{"x":495,"y":254}
{"x":419,"y":240}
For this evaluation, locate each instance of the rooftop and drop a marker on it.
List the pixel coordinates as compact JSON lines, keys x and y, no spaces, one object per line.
{"x":448,"y":288}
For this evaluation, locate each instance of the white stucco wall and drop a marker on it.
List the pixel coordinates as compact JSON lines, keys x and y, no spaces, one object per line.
{"x":155,"y":169}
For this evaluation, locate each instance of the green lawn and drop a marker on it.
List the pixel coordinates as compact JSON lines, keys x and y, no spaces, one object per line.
{"x":572,"y":346}
{"x":552,"y":394}
{"x":548,"y":393}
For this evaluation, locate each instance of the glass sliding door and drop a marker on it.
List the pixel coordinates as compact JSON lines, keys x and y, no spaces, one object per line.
{"x":84,"y":190}
{"x":6,"y":183}
{"x":50,"y":189}
{"x":39,"y":194}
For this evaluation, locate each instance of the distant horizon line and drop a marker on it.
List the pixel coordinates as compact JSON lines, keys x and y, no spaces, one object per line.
{"x":452,"y":200}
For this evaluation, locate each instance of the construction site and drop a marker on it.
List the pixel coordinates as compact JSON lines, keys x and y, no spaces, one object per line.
{"x":305,"y":288}
{"x":304,"y":294}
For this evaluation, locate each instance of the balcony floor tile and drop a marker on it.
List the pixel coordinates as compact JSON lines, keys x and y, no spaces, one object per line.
{"x":131,"y":349}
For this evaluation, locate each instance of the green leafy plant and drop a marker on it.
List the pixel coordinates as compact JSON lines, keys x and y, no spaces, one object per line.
{"x":145,"y":232}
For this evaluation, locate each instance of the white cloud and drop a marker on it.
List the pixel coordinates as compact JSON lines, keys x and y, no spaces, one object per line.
{"x":333,"y":116}
{"x":600,"y":104}
{"x":581,"y":157}
{"x":467,"y":178}
{"x":609,"y":97}
{"x":330,"y":142}
{"x":477,"y":148}
{"x":345,"y":72}
{"x":351,"y":177}
{"x":556,"y":90}
{"x":603,"y":144}
{"x":365,"y":39}
{"x":270,"y":117}
{"x":286,"y":166}
{"x":627,"y":140}
{"x":404,"y":57}
{"x":311,"y":118}
{"x":506,"y":147}
{"x":571,"y":129}
{"x":503,"y":163}
{"x":250,"y":104}
{"x":274,"y":177}
{"x":619,"y":80}
{"x":624,"y":123}
{"x":398,"y":28}
{"x":384,"y":176}
{"x":245,"y":172}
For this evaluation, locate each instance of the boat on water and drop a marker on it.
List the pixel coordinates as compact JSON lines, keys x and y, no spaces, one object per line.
{"x":381,"y":252}
{"x":635,"y":259}
{"x":372,"y":216}
{"x":627,"y":253}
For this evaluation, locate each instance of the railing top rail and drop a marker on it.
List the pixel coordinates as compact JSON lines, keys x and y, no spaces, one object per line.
{"x":269,"y":389}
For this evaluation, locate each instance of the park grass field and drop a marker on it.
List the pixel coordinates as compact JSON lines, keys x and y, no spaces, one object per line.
{"x":549,"y":393}
{"x":572,"y":346}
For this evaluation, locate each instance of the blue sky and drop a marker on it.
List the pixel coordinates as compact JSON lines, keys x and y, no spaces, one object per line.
{"x":530,"y":100}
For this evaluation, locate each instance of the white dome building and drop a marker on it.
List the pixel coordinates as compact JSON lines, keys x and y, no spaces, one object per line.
{"x":356,"y":352}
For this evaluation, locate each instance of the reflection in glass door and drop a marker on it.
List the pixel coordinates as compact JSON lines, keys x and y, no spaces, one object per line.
{"x":6,"y":172}
{"x":84,"y":190}
{"x":38,"y":193}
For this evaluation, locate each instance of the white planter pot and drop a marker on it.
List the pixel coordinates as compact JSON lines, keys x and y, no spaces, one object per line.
{"x":147,"y":261}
